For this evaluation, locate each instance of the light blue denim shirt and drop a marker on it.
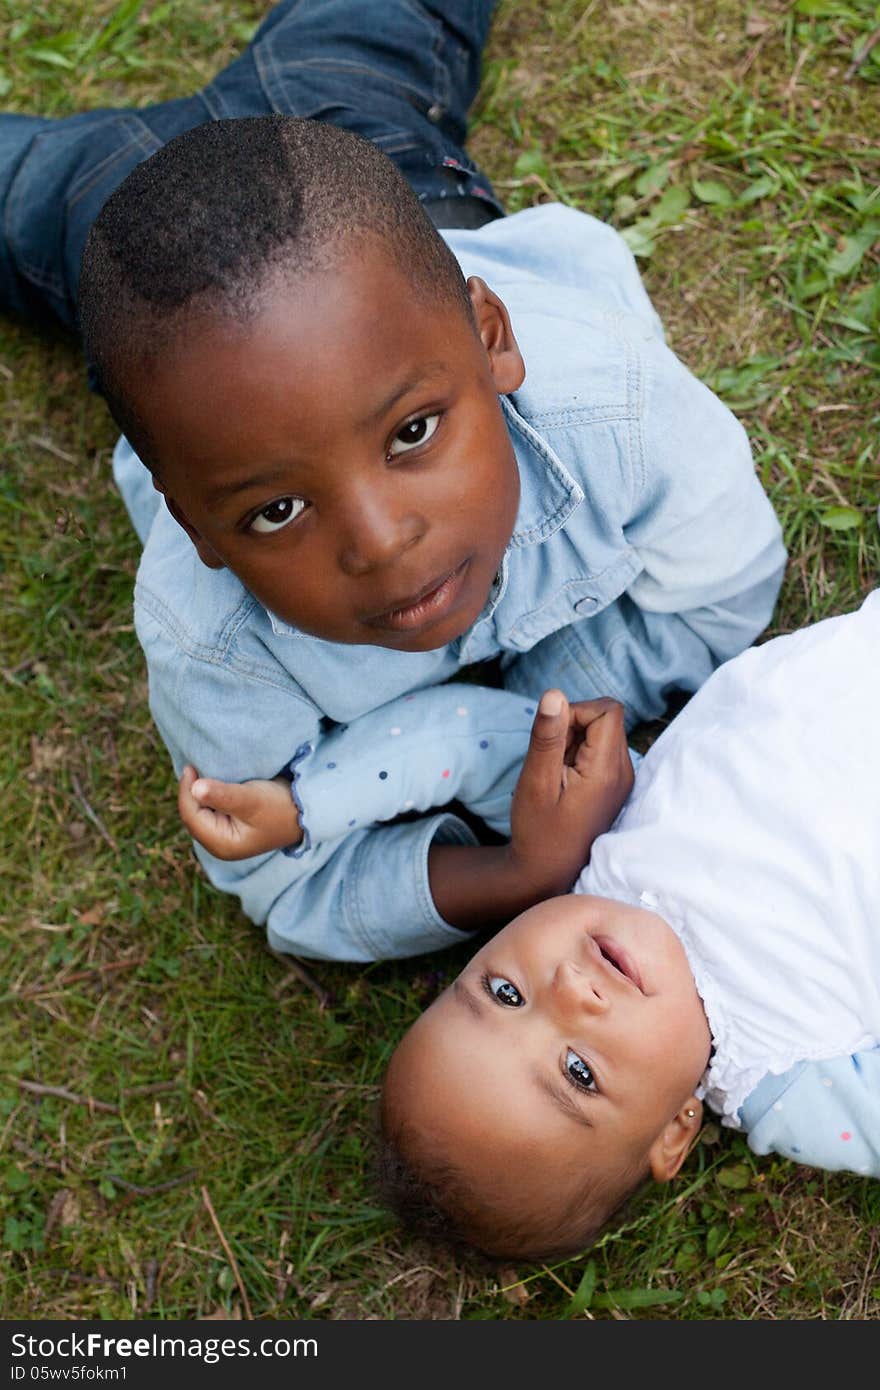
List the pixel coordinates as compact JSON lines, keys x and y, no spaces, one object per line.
{"x":643,"y":541}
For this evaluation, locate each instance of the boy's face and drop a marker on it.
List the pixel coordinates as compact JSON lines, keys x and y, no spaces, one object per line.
{"x":345,"y":453}
{"x":570,"y":1045}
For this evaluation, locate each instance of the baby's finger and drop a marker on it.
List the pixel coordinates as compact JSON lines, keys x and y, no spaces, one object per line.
{"x":187,"y":806}
{"x":228,"y":798}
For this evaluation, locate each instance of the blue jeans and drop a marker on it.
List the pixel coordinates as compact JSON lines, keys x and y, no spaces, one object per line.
{"x":408,"y":89}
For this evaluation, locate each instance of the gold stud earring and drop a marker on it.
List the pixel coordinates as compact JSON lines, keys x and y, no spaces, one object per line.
{"x":690,"y":1113}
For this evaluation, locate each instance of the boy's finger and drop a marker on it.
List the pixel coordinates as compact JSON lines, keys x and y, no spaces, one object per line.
{"x":585,"y":713}
{"x":547,"y":741}
{"x":606,"y":728}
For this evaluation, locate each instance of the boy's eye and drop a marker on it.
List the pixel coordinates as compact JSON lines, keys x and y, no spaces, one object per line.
{"x":414,"y":433}
{"x":577,"y":1071}
{"x":503,"y":991}
{"x":277,"y":515}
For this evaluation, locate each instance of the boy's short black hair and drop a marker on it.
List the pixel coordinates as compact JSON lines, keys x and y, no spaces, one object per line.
{"x":201,"y":225}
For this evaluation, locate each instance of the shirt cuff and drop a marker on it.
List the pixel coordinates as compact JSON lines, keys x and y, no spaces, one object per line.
{"x":387,"y":895}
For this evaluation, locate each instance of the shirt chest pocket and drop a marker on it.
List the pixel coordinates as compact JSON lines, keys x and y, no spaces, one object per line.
{"x":576,"y":599}
{"x":570,"y":602}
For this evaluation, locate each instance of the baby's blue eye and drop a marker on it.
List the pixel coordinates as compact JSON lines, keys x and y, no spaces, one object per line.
{"x":277,"y":515}
{"x":578,"y":1071}
{"x":414,"y":433}
{"x":504,"y":991}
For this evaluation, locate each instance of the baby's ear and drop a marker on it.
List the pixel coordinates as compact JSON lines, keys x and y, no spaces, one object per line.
{"x":675,"y":1141}
{"x":496,"y":334}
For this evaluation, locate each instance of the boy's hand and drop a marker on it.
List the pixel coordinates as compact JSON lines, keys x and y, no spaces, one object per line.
{"x":236,"y":820}
{"x":575,"y":778}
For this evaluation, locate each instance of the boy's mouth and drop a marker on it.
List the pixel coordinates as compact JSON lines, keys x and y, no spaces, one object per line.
{"x":427,"y":605}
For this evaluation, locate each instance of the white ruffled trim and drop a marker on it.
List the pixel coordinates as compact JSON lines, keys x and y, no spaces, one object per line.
{"x":730,"y":1077}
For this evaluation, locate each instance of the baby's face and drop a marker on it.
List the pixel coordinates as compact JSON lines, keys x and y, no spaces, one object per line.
{"x":570,"y":1044}
{"x":345,"y":454}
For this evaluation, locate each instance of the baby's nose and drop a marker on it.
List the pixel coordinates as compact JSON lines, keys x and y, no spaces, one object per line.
{"x":576,"y":990}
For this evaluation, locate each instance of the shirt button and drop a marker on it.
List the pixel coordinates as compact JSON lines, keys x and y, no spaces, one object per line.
{"x":435,"y":112}
{"x":586,"y":605}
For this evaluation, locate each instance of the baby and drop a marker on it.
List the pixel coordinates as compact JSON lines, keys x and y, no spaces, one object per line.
{"x":721,"y":946}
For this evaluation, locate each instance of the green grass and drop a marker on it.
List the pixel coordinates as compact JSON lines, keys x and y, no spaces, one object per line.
{"x":736,"y":148}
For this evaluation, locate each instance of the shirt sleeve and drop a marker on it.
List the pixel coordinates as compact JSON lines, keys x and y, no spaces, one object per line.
{"x":450,"y":742}
{"x":707,"y":538}
{"x":358,"y":889}
{"x":825,"y":1114}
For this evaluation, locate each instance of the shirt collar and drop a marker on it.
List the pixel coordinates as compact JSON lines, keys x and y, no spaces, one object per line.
{"x":548,"y":492}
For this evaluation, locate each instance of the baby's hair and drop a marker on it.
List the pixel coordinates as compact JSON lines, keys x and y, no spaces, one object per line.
{"x":201,"y":227}
{"x":435,"y":1198}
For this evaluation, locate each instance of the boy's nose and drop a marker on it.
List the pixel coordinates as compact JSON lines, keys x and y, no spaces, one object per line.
{"x":377,"y":529}
{"x":576,"y":992}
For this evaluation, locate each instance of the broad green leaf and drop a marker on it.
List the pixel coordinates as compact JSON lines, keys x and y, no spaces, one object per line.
{"x":671,"y":206}
{"x":865,"y":304}
{"x":759,"y":188}
{"x":15,"y":1180}
{"x":716,"y":1238}
{"x":749,"y":382}
{"x":50,"y":56}
{"x":711,"y":191}
{"x":845,"y":260}
{"x":737,"y":1177}
{"x":638,"y":238}
{"x":531,"y":162}
{"x":855,"y":325}
{"x":842,"y":519}
{"x":652,"y":179}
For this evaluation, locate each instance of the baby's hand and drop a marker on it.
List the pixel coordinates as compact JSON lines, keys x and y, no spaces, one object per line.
{"x":575,"y":778}
{"x":236,"y":820}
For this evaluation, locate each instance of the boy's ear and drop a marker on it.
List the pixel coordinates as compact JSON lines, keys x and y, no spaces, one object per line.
{"x":496,"y":335}
{"x":206,"y":553}
{"x":675,"y":1141}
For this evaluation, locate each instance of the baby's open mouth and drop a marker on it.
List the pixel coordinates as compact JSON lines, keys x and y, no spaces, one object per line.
{"x":620,"y":959}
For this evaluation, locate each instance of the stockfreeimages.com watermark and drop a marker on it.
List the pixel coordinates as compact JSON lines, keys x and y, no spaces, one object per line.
{"x":30,"y":1353}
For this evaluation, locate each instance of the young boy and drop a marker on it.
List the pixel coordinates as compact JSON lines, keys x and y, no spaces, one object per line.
{"x":722,"y":945}
{"x":368,"y":480}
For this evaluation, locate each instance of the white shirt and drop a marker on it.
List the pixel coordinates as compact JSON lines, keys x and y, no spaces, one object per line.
{"x":754,"y":831}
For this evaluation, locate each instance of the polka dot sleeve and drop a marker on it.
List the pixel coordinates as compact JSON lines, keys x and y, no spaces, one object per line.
{"x":423,"y":750}
{"x":825,"y":1114}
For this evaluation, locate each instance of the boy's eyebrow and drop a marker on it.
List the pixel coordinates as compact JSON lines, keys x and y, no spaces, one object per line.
{"x":220,"y":493}
{"x":423,"y":375}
